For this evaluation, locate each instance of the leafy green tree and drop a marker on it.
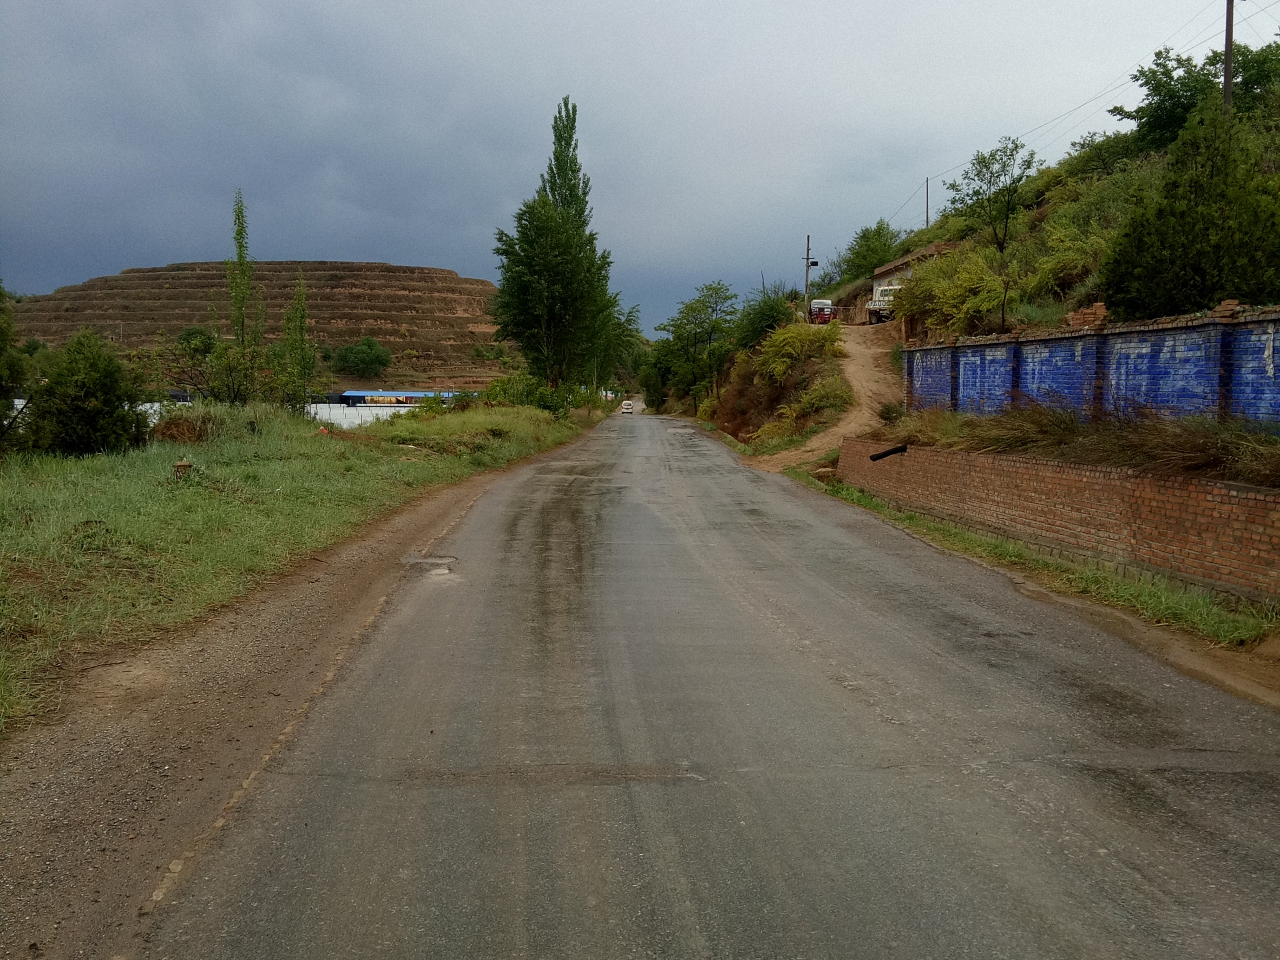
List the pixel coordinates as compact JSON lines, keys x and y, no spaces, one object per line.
{"x":987,"y":194}
{"x":1174,"y":85}
{"x":90,"y":403}
{"x":13,"y":368}
{"x":553,"y":297}
{"x":365,"y":359}
{"x":870,"y":247}
{"x":228,"y":370}
{"x":293,"y":360}
{"x":1212,"y":232}
{"x":762,"y":313}
{"x":987,"y":191}
{"x":702,"y":333}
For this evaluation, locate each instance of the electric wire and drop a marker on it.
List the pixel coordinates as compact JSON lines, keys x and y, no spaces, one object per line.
{"x":1115,"y":86}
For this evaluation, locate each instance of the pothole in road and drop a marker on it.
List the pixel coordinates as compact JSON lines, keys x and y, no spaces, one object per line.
{"x":431,"y":561}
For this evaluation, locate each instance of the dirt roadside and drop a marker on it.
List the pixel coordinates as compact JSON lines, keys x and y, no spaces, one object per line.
{"x":104,"y":807}
{"x":866,"y":366}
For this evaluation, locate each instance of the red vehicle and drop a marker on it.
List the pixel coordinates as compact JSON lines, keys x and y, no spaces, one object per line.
{"x":821,"y":311}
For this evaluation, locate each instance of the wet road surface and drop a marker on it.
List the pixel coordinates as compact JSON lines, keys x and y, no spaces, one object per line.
{"x":645,"y":702}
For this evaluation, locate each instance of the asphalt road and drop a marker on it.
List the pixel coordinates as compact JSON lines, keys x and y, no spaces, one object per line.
{"x":646,"y":702}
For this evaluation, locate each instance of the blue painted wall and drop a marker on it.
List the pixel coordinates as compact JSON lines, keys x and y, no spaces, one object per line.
{"x":930,"y":371}
{"x":1173,"y":372}
{"x":1178,"y":370}
{"x":986,"y":378}
{"x":1255,"y":389}
{"x":1059,"y":373}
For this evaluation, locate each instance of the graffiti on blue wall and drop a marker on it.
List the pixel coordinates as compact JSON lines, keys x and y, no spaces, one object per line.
{"x":1191,"y":368}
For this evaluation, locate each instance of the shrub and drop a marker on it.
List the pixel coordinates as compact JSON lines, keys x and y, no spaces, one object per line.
{"x":89,"y":404}
{"x":13,"y":366}
{"x":365,"y":359}
{"x":891,"y":413}
{"x":784,"y":350}
{"x":831,"y":394}
{"x":761,"y":314}
{"x":193,"y":424}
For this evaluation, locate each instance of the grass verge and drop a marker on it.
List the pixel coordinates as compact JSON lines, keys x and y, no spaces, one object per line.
{"x":112,"y":549}
{"x":1158,"y":600}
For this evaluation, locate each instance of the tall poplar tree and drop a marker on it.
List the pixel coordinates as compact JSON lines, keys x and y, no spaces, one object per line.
{"x":553,"y":298}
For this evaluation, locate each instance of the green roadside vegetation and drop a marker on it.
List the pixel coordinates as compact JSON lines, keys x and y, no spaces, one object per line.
{"x":758,"y":372}
{"x":1170,"y":217}
{"x":1156,"y":599}
{"x":106,"y":550}
{"x":113,"y":530}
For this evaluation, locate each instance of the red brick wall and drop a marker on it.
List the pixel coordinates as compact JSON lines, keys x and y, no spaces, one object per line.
{"x":1225,"y":535}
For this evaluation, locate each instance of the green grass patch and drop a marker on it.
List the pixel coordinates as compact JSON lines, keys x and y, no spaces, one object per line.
{"x":1158,"y":600}
{"x":112,"y":549}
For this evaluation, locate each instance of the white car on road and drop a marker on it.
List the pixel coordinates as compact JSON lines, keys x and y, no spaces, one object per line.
{"x":628,"y":406}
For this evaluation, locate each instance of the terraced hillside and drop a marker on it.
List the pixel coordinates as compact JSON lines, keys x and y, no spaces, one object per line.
{"x":432,"y":320}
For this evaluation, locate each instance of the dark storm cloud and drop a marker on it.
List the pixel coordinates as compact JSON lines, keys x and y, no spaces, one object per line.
{"x":717,"y":134}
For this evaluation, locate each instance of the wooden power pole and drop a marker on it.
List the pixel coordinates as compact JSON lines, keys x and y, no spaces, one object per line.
{"x":1227,"y":66}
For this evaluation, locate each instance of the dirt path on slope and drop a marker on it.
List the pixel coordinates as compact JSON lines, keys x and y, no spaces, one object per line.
{"x":874,"y":383}
{"x":106,"y":806}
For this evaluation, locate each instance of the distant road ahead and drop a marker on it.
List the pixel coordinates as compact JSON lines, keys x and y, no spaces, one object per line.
{"x":646,"y":702}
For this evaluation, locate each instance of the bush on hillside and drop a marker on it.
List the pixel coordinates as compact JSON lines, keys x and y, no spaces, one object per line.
{"x":761,"y":314}
{"x":365,"y":359}
{"x":758,"y":407}
{"x":788,"y":347}
{"x":90,"y":403}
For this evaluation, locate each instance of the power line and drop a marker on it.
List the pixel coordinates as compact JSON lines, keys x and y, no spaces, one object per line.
{"x":1121,"y":82}
{"x":906,"y":201}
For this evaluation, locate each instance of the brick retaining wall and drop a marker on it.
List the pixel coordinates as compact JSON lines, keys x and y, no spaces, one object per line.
{"x":1222,"y":535}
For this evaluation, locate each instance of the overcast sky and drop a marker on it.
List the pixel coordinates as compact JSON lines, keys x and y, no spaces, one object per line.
{"x":716,"y":134}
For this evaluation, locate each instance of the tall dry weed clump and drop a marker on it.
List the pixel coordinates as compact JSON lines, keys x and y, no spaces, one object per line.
{"x":1233,"y":450}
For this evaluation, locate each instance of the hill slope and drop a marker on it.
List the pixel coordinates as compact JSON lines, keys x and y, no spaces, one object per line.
{"x":431,"y":319}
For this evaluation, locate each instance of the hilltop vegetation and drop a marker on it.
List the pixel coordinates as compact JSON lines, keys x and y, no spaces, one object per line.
{"x":1171,"y":217}
{"x":758,"y":371}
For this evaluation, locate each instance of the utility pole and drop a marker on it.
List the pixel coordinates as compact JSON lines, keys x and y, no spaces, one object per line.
{"x":808,"y":262}
{"x":1227,"y":67}
{"x":926,"y":203}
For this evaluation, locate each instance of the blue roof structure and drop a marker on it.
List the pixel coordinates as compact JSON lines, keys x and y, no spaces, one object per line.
{"x":397,"y":393}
